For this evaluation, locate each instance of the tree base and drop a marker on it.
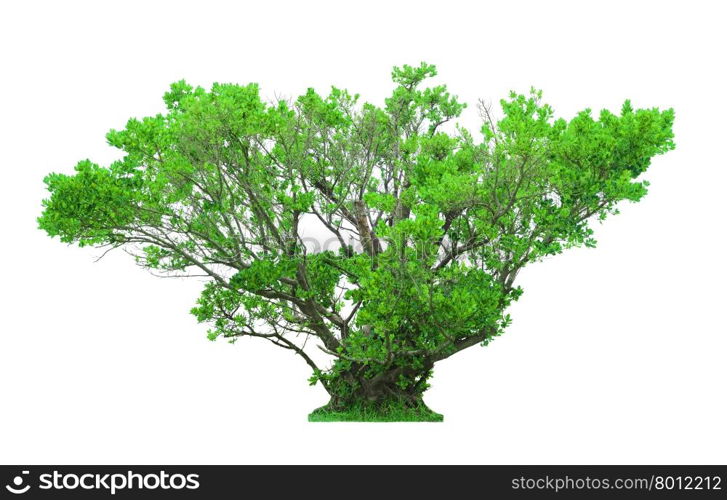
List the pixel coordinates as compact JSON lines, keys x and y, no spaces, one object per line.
{"x":390,"y":412}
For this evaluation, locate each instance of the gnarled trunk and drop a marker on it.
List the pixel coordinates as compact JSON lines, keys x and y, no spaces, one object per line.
{"x":384,"y":391}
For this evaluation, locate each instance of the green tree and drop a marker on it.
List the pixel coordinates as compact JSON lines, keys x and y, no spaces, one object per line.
{"x":428,"y":226}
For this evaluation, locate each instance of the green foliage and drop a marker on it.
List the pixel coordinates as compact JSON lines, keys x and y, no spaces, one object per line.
{"x":431,"y":225}
{"x":89,"y":207}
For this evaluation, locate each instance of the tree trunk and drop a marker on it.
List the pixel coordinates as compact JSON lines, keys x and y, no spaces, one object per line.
{"x":397,"y":386}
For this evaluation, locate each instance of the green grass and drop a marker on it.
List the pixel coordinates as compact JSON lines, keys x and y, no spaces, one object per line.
{"x":389,"y":413}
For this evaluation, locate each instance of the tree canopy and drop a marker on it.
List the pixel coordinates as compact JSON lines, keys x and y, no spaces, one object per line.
{"x":427,"y":224}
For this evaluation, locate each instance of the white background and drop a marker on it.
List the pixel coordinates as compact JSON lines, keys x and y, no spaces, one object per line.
{"x":616,"y":355}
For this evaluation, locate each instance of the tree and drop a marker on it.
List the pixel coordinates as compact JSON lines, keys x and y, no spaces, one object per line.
{"x":430,"y":226}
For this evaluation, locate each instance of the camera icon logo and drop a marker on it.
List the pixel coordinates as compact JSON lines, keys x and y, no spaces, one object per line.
{"x":18,"y":487}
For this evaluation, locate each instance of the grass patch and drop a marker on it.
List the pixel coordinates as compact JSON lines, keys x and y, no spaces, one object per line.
{"x":375,"y":413}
